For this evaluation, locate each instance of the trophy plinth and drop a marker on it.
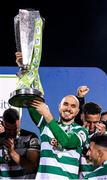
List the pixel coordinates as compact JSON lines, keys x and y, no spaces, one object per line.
{"x":22,"y":97}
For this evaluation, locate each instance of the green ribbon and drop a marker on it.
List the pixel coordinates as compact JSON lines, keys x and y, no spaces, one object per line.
{"x":31,"y":78}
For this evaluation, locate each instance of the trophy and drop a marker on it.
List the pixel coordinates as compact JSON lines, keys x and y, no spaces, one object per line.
{"x":28,"y":26}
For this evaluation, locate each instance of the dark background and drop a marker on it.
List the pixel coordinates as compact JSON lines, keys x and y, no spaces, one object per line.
{"x":75,"y":32}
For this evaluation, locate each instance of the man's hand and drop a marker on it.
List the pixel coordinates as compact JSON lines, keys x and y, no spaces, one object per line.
{"x":43,"y":109}
{"x":9,"y":143}
{"x":32,"y":156}
{"x":82,"y":91}
{"x":1,"y":128}
{"x":18,"y":58}
{"x":101,"y":128}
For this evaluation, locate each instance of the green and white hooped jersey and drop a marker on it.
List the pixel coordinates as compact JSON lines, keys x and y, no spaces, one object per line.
{"x":99,"y":173}
{"x":57,"y":162}
{"x":86,"y":166}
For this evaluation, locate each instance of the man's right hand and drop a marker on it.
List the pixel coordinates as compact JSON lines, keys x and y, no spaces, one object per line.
{"x":18,"y":58}
{"x":1,"y":128}
{"x":43,"y":109}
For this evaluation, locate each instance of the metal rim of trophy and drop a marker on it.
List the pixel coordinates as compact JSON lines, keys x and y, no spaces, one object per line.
{"x":22,"y":97}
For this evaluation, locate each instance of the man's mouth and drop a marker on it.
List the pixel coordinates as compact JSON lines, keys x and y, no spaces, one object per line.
{"x":91,"y":131}
{"x":67,"y":114}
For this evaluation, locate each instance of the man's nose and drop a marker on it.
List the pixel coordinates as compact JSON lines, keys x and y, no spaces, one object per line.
{"x":88,"y":153}
{"x":69,"y":108}
{"x":92,"y":125}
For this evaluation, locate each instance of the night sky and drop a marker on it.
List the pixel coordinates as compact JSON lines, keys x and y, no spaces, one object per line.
{"x":75,"y":32}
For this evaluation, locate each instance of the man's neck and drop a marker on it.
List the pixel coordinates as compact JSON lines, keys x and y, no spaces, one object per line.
{"x":67,"y":122}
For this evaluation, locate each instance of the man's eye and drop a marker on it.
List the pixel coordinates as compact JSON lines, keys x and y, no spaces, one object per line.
{"x":65,"y":104}
{"x":73,"y":106}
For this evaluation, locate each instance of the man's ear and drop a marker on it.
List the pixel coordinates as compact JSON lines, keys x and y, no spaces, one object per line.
{"x":82,"y":116}
{"x":18,"y":122}
{"x":100,"y":153}
{"x":59,"y":106}
{"x":78,"y":111}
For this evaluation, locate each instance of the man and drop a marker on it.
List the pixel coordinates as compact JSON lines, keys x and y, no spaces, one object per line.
{"x":81,"y":93}
{"x":98,"y":155}
{"x":61,"y":142}
{"x":91,"y":114}
{"x":19,"y":149}
{"x":104,"y":118}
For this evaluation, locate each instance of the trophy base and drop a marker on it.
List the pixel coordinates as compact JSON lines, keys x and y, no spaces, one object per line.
{"x":22,"y":97}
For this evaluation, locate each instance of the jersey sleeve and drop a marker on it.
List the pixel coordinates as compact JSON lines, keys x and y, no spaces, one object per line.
{"x":67,"y":140}
{"x":34,"y":143}
{"x":36,"y":118}
{"x":82,"y":134}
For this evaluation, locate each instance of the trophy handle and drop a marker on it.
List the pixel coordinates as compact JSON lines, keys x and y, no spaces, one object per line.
{"x":17,"y":33}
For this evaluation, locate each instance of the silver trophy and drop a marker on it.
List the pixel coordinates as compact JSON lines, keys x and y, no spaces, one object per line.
{"x":28,"y":26}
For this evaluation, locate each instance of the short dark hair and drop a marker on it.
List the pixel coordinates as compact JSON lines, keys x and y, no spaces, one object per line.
{"x":10,"y":115}
{"x":103,"y":113}
{"x":91,"y":108}
{"x":99,"y":139}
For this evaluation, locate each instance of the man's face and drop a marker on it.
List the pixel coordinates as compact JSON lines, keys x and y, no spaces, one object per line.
{"x":104,"y":117}
{"x":11,"y":129}
{"x":94,"y":154}
{"x":68,"y":108}
{"x":90,"y":121}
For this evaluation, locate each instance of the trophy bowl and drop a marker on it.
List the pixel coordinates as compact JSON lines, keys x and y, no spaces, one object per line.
{"x":22,"y":97}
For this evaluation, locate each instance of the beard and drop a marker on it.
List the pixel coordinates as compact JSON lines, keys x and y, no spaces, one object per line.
{"x":66,"y":120}
{"x":96,"y":164}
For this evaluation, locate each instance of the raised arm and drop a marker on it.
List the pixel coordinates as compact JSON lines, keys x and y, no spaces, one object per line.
{"x":67,"y":140}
